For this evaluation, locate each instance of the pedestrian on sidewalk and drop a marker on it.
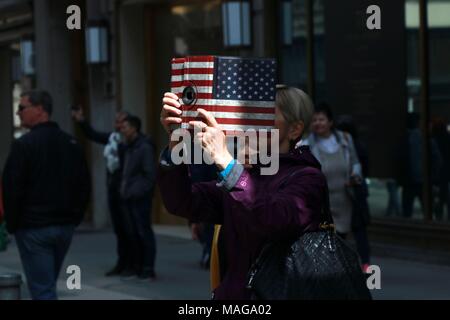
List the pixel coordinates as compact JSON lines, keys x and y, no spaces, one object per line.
{"x":441,"y":135}
{"x":137,"y":186}
{"x":113,"y":153}
{"x":46,"y":187}
{"x":336,"y":153}
{"x":359,"y":192}
{"x":3,"y":233}
{"x":409,"y":169}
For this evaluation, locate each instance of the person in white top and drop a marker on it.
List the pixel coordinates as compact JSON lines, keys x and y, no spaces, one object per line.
{"x":336,"y":153}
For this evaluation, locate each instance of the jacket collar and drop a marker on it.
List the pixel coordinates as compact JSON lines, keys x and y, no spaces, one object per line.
{"x":48,"y":124}
{"x":136,"y":142}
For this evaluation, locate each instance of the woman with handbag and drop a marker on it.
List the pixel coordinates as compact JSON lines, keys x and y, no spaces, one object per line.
{"x":251,"y":208}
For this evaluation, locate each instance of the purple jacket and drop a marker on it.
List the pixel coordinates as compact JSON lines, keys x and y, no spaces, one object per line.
{"x":254,"y":210}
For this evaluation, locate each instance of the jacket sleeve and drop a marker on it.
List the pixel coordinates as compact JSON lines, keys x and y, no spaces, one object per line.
{"x":92,"y":134}
{"x":355,"y":165}
{"x":197,"y":202}
{"x":290,"y":210}
{"x":2,"y":211}
{"x":85,"y":184}
{"x":14,"y":184}
{"x":148,"y":165}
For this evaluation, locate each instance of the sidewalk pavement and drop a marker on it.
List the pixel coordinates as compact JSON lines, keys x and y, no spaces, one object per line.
{"x":179,"y":276}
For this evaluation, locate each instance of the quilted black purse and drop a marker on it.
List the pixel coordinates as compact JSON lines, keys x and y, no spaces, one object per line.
{"x":317,"y":265}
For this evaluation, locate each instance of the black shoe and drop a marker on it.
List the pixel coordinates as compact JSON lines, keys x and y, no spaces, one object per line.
{"x":128,"y":274}
{"x":147,"y":275}
{"x":117,"y":270}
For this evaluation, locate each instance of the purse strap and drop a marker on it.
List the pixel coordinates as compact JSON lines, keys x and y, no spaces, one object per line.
{"x":327,"y":218}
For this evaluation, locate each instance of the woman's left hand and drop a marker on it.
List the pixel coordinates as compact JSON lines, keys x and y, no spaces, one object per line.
{"x":212,"y":139}
{"x":354,"y":180}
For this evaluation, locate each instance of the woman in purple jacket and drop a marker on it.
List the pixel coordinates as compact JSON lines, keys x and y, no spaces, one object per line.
{"x":252,"y":208}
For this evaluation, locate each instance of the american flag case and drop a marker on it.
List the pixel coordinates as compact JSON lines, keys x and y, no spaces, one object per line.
{"x":239,"y":92}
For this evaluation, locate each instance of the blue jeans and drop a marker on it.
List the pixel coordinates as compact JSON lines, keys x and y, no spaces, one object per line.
{"x":140,"y":232}
{"x":42,"y":251}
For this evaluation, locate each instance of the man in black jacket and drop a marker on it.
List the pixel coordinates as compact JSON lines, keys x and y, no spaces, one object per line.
{"x":46,"y":187}
{"x":113,"y":153}
{"x":138,"y":180}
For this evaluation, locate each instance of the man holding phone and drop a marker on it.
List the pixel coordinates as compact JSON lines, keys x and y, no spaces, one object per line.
{"x":113,"y":153}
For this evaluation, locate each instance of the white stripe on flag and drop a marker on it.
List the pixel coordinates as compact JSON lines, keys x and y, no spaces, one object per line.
{"x":233,"y":115}
{"x":193,"y":77}
{"x":199,"y":89}
{"x":178,"y":66}
{"x":242,"y":103}
{"x":232,"y":127}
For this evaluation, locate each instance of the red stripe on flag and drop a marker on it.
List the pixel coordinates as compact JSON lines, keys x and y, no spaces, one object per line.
{"x":178,"y":60}
{"x":238,"y":133}
{"x":190,"y":71}
{"x":244,"y":122}
{"x":198,"y":83}
{"x":199,"y":95}
{"x":204,"y":95}
{"x":200,"y":59}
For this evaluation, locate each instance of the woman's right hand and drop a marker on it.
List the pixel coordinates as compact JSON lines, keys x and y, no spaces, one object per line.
{"x":171,"y":112}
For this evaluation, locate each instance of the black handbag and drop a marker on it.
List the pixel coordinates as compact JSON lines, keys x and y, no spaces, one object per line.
{"x":317,"y":265}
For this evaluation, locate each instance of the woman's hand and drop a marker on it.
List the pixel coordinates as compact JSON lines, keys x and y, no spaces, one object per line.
{"x":212,"y":139}
{"x":170,"y":114}
{"x":78,"y":114}
{"x":354,"y":180}
{"x":195,"y":231}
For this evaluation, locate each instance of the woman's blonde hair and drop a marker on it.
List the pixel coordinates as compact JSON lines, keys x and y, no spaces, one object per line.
{"x":296,"y":106}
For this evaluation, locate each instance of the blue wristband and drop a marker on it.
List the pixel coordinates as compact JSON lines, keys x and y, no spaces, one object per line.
{"x":224,"y":173}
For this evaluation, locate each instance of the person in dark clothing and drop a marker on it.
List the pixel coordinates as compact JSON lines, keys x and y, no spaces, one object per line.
{"x":409,"y":164}
{"x":442,"y":138}
{"x":46,"y":185}
{"x":361,"y":212}
{"x":113,"y":153}
{"x":3,"y":233}
{"x":137,"y":185}
{"x":347,"y":124}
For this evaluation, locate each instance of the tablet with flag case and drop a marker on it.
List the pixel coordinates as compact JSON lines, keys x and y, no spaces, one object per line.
{"x":239,"y":92}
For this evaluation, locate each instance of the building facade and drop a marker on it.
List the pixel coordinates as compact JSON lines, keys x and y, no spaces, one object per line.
{"x":379,"y":77}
